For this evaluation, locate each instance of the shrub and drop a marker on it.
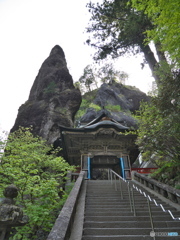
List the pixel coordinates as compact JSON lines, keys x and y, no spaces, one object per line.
{"x":96,"y":107}
{"x":114,"y":108}
{"x":38,"y":176}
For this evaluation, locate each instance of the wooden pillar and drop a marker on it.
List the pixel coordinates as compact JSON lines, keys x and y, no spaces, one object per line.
{"x":89,"y":167}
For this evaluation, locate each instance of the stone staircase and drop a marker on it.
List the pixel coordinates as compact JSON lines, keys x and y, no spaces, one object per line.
{"x":108,"y":217}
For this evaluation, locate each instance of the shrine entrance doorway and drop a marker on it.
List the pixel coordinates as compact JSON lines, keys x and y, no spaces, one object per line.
{"x":97,"y":166}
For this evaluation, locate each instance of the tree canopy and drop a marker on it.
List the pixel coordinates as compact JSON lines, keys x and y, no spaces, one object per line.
{"x":165,"y":17}
{"x":117,"y":29}
{"x":159,"y":131}
{"x":94,"y":75}
{"x":88,"y":78}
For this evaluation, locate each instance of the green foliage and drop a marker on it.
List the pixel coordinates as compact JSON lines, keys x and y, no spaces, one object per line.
{"x":38,"y":176}
{"x":107,"y":73}
{"x":94,"y":75}
{"x":123,"y":27}
{"x":89,"y":96}
{"x":132,"y":87}
{"x":159,"y":132}
{"x":165,"y":17}
{"x":82,"y":110}
{"x":3,"y":137}
{"x":96,"y":107}
{"x":88,"y":78}
{"x":85,"y":104}
{"x":113,"y":108}
{"x":50,"y":89}
{"x":87,"y":100}
{"x":116,"y":28}
{"x":168,"y":173}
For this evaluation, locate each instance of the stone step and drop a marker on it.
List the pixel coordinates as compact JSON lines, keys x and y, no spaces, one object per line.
{"x":118,"y":197}
{"x":123,"y":204}
{"x":105,"y":194}
{"x":117,"y":194}
{"x":116,"y":203}
{"x":123,"y":207}
{"x":108,"y":217}
{"x":127,"y":218}
{"x":126,"y":237}
{"x":123,"y":213}
{"x":117,"y":212}
{"x":124,"y":231}
{"x":128,"y":224}
{"x":113,"y":199}
{"x":109,"y":190}
{"x":119,"y":202}
{"x":116,"y":231}
{"x":105,"y":189}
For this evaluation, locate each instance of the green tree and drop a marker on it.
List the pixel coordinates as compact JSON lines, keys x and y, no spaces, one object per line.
{"x":107,"y":73}
{"x":159,"y":130}
{"x":118,"y":29}
{"x":3,"y":137}
{"x":94,"y":75}
{"x":165,"y":17}
{"x":88,"y":78}
{"x":38,"y":176}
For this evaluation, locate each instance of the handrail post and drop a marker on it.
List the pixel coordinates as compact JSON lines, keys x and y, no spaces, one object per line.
{"x":129,"y":196}
{"x":120,"y":184}
{"x":115,"y":182}
{"x":111,"y":178}
{"x":150,"y":215}
{"x":132,"y":190}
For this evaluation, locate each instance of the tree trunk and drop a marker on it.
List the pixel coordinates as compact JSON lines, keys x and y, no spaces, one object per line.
{"x":160,"y":53}
{"x":152,"y":62}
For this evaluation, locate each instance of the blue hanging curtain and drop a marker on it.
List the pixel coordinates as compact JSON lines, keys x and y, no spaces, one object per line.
{"x":89,"y":168}
{"x":122,"y":167}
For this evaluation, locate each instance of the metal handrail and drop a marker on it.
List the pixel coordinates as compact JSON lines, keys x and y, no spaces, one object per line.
{"x":131,"y":198}
{"x":157,"y":205}
{"x":147,"y":196}
{"x":130,"y":192}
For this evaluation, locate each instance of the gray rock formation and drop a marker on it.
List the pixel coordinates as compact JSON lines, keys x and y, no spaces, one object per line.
{"x":119,"y":100}
{"x":53,"y":99}
{"x":127,"y":97}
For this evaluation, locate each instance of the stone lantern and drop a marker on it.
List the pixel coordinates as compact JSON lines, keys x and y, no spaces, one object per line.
{"x":10,"y":215}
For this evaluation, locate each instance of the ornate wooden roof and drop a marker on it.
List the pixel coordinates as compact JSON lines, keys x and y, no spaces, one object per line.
{"x":102,"y":136}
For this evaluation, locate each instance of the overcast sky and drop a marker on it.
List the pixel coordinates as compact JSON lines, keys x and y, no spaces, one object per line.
{"x":29,"y":29}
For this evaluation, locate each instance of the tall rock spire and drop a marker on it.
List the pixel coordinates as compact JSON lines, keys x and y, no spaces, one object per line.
{"x":53,"y":99}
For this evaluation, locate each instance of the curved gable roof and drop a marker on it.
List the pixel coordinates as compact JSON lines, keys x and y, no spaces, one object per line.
{"x":102,"y":121}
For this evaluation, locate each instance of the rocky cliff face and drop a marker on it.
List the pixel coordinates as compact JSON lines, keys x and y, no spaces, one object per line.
{"x":53,"y":99}
{"x":119,"y":100}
